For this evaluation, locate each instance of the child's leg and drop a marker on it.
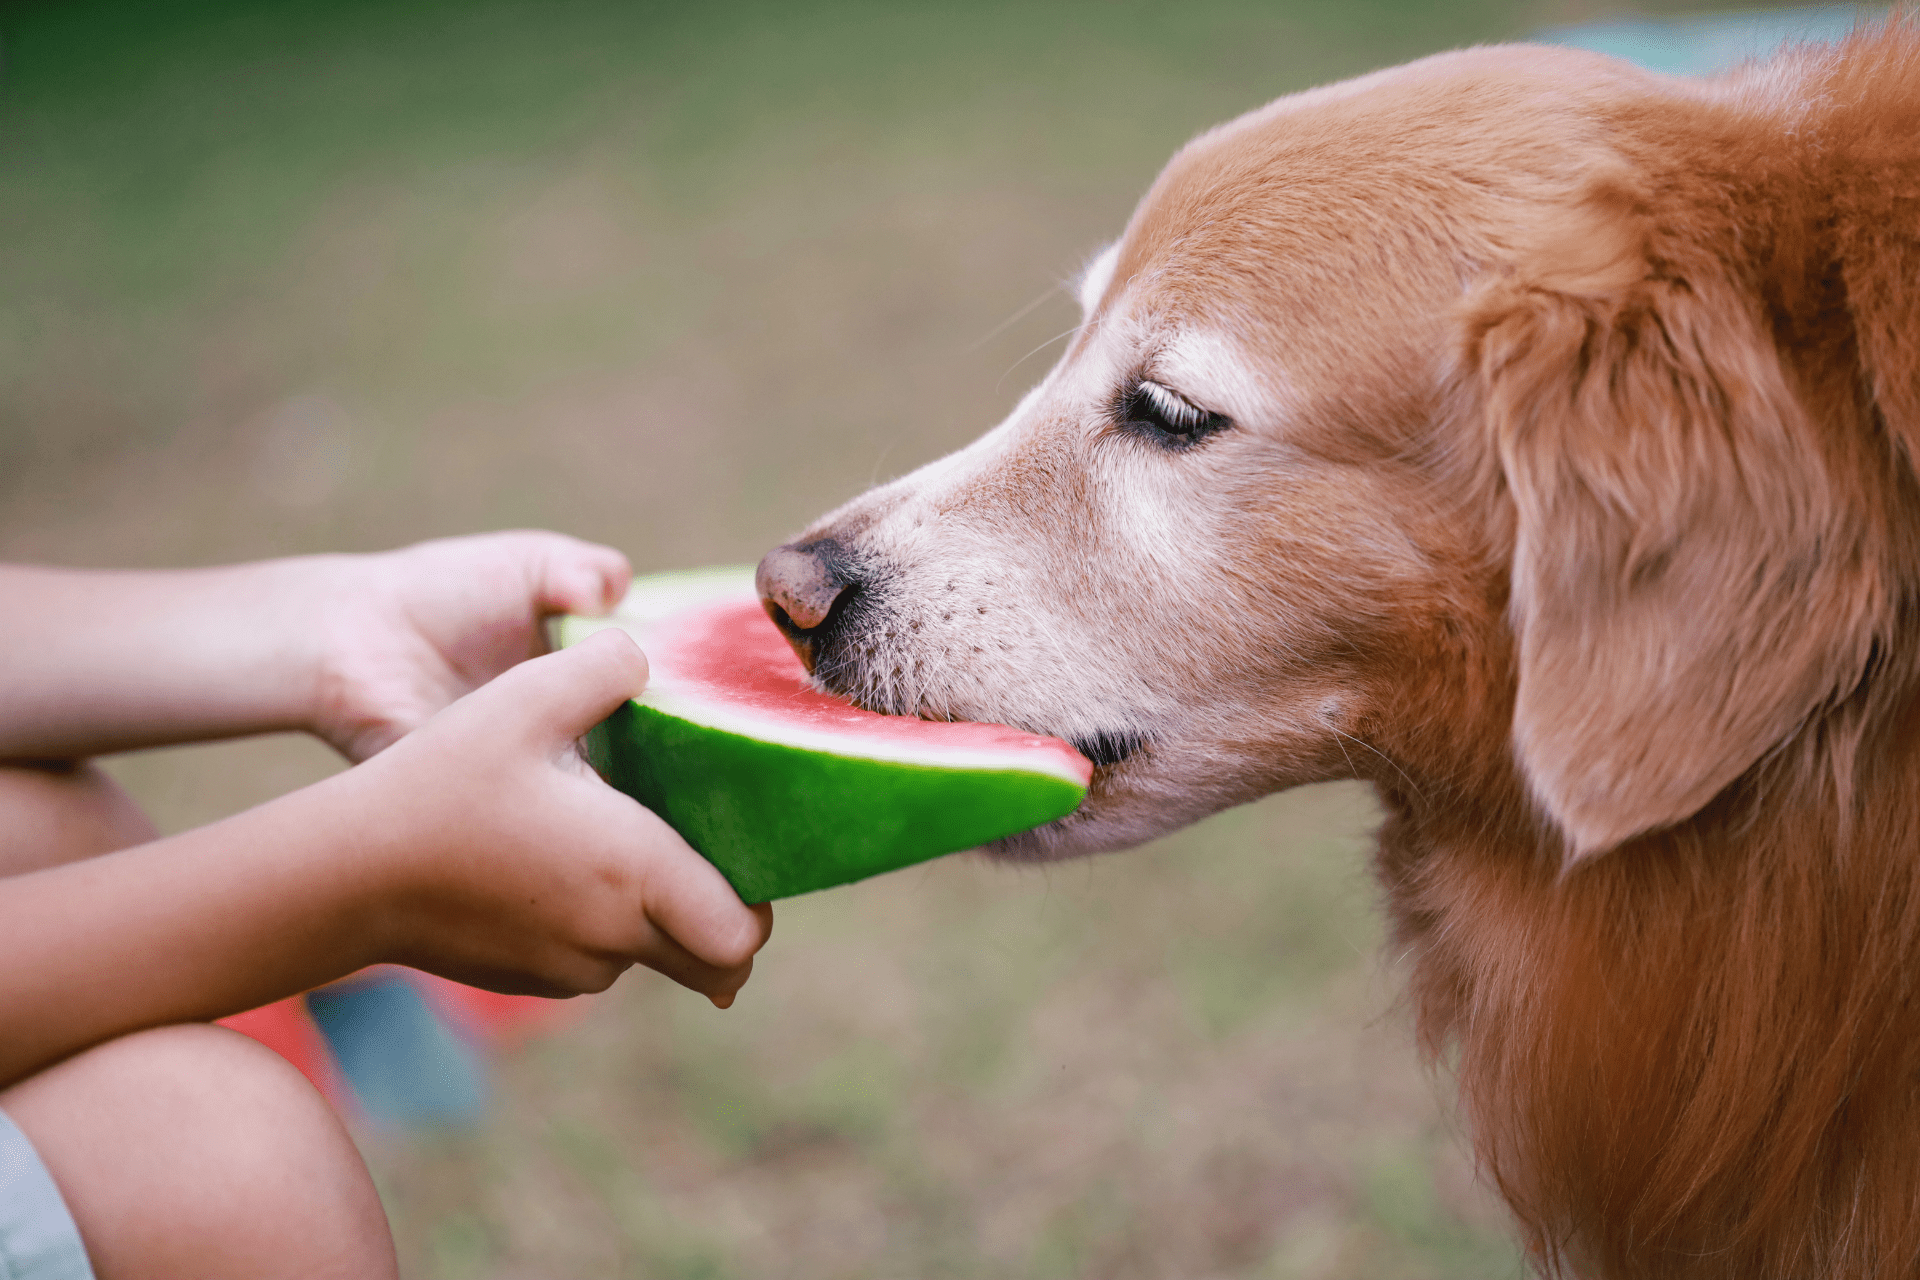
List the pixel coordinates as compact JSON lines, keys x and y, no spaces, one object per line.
{"x":189,"y":1150}
{"x":62,"y":813}
{"x":194,"y":1151}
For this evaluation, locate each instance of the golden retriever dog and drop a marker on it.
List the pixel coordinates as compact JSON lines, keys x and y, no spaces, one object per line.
{"x":1533,"y":437}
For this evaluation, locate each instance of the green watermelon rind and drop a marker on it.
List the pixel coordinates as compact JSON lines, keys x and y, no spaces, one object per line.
{"x":781,"y":818}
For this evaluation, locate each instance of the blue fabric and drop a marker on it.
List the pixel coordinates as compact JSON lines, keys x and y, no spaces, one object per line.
{"x":1709,"y":42}
{"x":406,"y":1068}
{"x":38,"y":1240}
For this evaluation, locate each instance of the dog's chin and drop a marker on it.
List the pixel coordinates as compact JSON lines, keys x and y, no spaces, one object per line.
{"x":1056,"y":841}
{"x":1101,"y":822}
{"x":1114,"y":815}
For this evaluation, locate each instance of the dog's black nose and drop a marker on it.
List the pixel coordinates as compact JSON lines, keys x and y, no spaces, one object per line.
{"x":798,"y":583}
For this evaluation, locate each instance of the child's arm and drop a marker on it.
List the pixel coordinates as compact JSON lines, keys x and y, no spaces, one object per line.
{"x":358,"y":649}
{"x":479,"y":847}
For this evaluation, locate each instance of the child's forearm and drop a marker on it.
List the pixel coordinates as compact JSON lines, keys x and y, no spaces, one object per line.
{"x":198,"y":926}
{"x":93,"y":662}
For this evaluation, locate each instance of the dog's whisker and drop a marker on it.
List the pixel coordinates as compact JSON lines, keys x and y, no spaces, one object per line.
{"x":873,"y":476}
{"x":1411,"y":785}
{"x":1064,"y":333}
{"x":1011,"y":321}
{"x":1351,"y":766}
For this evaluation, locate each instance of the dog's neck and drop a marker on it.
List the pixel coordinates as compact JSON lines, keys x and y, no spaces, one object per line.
{"x":1696,"y":1047}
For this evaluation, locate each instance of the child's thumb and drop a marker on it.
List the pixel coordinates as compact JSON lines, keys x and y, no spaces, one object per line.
{"x":562,"y":695}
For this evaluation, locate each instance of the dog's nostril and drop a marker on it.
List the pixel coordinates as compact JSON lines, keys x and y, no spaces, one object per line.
{"x":798,"y":583}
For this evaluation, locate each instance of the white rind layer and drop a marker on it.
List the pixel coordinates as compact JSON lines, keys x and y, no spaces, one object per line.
{"x":652,"y":600}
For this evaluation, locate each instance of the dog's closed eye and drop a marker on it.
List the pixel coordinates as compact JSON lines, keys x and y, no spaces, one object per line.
{"x":1165,"y":417}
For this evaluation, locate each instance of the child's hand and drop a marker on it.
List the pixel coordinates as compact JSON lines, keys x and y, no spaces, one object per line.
{"x":479,"y":847}
{"x":358,"y":649}
{"x":404,"y":633}
{"x":499,"y":859}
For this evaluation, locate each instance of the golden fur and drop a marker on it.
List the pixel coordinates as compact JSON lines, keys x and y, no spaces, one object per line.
{"x":1569,"y":496}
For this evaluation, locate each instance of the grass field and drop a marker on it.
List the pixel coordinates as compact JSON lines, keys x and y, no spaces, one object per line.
{"x":277,"y":277}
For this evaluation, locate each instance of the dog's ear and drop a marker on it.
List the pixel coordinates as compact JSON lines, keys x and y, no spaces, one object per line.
{"x":1687,"y":586}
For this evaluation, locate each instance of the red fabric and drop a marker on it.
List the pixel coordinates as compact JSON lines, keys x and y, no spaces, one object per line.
{"x":483,"y":1018}
{"x":288,"y":1029}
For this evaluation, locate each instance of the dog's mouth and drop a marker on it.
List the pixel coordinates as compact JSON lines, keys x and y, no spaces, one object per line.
{"x":1107,"y":749}
{"x":823,"y":651}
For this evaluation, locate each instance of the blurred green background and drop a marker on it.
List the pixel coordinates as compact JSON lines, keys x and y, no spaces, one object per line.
{"x":279,"y":277}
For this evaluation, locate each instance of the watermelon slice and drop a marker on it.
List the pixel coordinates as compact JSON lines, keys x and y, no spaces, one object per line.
{"x":787,"y":789}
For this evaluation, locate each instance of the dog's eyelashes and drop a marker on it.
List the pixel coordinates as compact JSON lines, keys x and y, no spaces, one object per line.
{"x":1165,"y":417}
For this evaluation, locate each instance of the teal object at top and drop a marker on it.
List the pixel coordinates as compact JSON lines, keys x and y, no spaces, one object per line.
{"x":1705,"y":43}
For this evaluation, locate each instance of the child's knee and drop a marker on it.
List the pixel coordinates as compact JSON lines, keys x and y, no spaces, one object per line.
{"x":193,"y":1149}
{"x":55,"y":813}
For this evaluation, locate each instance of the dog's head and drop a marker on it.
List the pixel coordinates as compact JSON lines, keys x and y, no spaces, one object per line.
{"x":1436,"y":415}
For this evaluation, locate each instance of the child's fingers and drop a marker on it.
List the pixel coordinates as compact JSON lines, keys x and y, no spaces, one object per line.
{"x":572,"y":576}
{"x":680,"y":896}
{"x":685,"y":899}
{"x":554,"y":699}
{"x":678,"y":914}
{"x":689,"y":900}
{"x":718,"y":984}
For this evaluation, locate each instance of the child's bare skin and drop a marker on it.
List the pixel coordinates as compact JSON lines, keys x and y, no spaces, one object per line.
{"x":472,"y":842}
